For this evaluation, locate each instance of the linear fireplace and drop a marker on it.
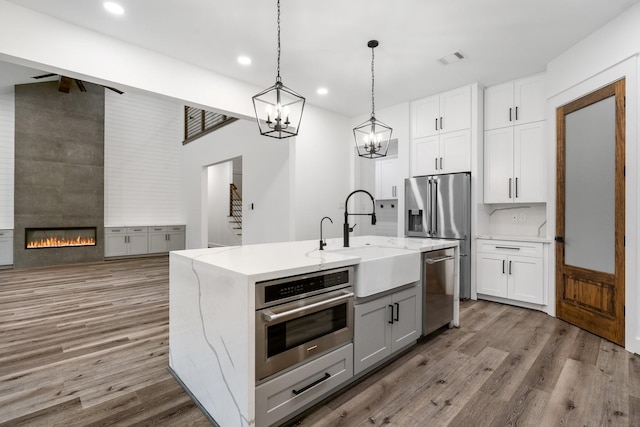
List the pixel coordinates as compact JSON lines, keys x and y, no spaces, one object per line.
{"x":62,"y":237}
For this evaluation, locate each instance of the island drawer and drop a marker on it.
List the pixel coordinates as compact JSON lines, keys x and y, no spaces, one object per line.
{"x":300,"y":387}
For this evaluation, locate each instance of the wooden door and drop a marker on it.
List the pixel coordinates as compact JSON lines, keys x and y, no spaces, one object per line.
{"x":590,"y":287}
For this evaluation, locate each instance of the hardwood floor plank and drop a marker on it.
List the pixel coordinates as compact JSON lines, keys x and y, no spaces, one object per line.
{"x":586,"y":347}
{"x":569,"y":402}
{"x":526,"y":408}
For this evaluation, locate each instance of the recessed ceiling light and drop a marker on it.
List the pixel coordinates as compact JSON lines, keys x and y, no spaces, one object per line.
{"x":322,"y":91}
{"x":244,"y":60}
{"x":114,"y":8}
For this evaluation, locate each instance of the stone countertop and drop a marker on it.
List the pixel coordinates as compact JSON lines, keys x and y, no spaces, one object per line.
{"x":532,"y":239}
{"x":274,"y":260}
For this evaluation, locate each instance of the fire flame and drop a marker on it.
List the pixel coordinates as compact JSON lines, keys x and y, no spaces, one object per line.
{"x":58,"y":242}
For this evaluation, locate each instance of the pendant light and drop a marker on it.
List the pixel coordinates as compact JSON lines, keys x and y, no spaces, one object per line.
{"x":372,"y":137}
{"x":278,"y":109}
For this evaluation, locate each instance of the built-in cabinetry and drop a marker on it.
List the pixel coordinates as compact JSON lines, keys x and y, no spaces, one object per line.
{"x":387,"y":178}
{"x":165,"y":239}
{"x":385,"y":325}
{"x":511,"y":269}
{"x":441,"y":133}
{"x":514,"y":142}
{"x":129,"y":241}
{"x":6,"y":247}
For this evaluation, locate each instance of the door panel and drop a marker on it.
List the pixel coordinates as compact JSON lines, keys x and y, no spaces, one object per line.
{"x":590,"y":288}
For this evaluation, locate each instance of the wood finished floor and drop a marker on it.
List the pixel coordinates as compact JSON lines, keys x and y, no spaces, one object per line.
{"x":88,"y":345}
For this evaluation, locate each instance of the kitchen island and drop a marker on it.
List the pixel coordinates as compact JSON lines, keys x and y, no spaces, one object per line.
{"x":212,"y":321}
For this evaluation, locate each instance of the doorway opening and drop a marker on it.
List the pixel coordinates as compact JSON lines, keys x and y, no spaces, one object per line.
{"x":224,"y":203}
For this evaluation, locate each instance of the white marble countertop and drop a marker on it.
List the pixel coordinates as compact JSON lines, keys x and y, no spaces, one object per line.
{"x":533,"y":239}
{"x":273,"y":260}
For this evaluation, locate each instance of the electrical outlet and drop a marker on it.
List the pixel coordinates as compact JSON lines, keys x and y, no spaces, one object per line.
{"x":514,"y":218}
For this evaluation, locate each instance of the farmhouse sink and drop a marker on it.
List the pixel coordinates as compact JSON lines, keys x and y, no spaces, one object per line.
{"x":382,"y":268}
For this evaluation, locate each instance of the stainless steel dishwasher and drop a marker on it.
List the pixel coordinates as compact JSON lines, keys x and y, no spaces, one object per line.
{"x":438,"y":269}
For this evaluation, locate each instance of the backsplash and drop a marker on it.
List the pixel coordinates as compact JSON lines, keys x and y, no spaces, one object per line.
{"x":386,"y":220}
{"x":526,"y":220}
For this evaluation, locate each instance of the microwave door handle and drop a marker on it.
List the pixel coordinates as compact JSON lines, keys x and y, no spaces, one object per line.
{"x":270,"y":316}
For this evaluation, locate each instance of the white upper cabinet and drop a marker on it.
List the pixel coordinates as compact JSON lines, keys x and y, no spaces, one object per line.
{"x":441,"y":133}
{"x":514,"y":103}
{"x":447,"y":112}
{"x":514,"y":169}
{"x":387,"y":178}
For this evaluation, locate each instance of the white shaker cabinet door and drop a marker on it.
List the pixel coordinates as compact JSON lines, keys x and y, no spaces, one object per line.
{"x":455,"y":152}
{"x":498,"y":166}
{"x":525,"y":279}
{"x":528,"y":168}
{"x":498,"y":106}
{"x":529,"y":99}
{"x":455,"y":110}
{"x":425,"y":114}
{"x":492,"y":275}
{"x":425,"y":155}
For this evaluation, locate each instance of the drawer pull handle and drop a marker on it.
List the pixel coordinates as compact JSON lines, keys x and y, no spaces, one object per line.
{"x":508,"y":247}
{"x":441,"y":259}
{"x":313,"y":384}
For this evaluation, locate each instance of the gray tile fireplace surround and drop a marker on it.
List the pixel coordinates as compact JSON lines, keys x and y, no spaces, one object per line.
{"x":59,"y":169}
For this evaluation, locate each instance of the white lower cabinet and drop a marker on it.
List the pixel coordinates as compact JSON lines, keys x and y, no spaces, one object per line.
{"x":123,"y":241}
{"x":512,"y":270}
{"x":6,"y":247}
{"x":284,"y":395}
{"x":385,"y":325}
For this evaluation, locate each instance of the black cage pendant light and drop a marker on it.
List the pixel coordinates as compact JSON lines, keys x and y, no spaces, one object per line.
{"x":278,"y":109}
{"x":372,"y":137}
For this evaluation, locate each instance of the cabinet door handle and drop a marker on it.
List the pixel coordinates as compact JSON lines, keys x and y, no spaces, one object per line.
{"x":509,"y":187}
{"x":503,"y":266}
{"x":436,"y":159}
{"x":391,"y":318}
{"x":397,"y":317}
{"x":325,"y":377}
{"x":436,"y":123}
{"x":440,"y":123}
{"x":509,"y":267}
{"x":440,"y":163}
{"x":510,"y":113}
{"x":516,"y":113}
{"x":516,"y":179}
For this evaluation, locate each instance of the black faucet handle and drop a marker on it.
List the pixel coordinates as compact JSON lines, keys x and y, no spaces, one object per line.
{"x":351,"y":228}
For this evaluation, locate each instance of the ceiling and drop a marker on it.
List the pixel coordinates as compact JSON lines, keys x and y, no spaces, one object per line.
{"x":324,"y":43}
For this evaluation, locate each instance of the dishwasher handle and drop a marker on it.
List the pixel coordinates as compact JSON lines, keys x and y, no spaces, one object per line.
{"x":441,"y":259}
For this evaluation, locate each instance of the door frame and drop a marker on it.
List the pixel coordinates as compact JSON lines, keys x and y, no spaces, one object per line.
{"x":559,"y":95}
{"x":611,"y":328}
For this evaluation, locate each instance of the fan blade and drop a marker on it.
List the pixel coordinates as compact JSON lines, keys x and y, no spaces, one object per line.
{"x":119,"y":92}
{"x":44,"y":76}
{"x":81,"y":85}
{"x":64,"y":84}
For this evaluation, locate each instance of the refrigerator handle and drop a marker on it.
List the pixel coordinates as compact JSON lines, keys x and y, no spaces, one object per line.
{"x":434,"y":208}
{"x":429,"y":206}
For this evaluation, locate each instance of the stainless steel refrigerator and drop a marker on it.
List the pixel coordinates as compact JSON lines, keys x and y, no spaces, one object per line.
{"x":439,"y":206}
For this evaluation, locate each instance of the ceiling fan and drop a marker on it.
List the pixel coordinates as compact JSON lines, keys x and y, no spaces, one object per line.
{"x":64,"y":83}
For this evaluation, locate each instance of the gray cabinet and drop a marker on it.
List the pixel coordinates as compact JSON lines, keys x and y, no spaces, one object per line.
{"x":6,"y":247}
{"x":385,"y":325}
{"x":123,"y":241}
{"x":165,"y":239}
{"x":300,"y":387}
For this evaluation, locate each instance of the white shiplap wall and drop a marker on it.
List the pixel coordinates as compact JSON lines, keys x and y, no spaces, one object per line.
{"x":143,"y":141}
{"x":7,"y":144}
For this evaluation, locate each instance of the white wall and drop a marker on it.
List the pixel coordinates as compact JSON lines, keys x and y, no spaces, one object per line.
{"x":266,"y":184}
{"x":220,"y":230}
{"x":143,"y":141}
{"x":605,"y":56}
{"x":7,"y":144}
{"x":322,"y":177}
